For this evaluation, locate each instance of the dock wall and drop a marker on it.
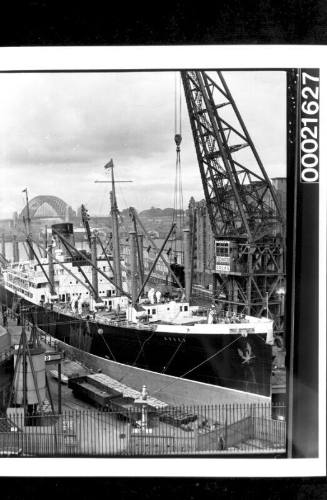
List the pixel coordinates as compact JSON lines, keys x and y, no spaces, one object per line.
{"x":4,"y":340}
{"x":172,"y":390}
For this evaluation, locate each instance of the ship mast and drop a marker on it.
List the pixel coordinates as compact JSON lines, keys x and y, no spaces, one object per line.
{"x":28,"y":225}
{"x":115,"y":225}
{"x":115,"y":228}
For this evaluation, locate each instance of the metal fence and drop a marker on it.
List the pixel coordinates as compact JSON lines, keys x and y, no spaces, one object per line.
{"x":173,"y":431}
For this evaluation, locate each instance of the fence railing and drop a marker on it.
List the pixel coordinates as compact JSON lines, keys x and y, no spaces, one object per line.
{"x":198,"y":430}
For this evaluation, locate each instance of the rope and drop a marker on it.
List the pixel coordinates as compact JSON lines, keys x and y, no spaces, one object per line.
{"x":257,"y":335}
{"x":197,"y":366}
{"x":138,"y":355}
{"x":142,"y":346}
{"x":172,"y":357}
{"x":104,"y":340}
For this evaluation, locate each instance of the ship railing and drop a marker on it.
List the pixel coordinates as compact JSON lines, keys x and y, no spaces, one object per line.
{"x":101,"y":319}
{"x":125,"y":323}
{"x":232,"y":320}
{"x":62,"y":306}
{"x":67,"y":309}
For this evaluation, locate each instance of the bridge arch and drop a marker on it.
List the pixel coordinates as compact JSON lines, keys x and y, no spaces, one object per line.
{"x":46,"y":206}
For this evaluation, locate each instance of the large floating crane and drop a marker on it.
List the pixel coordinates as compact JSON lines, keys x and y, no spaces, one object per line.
{"x":243,"y":208}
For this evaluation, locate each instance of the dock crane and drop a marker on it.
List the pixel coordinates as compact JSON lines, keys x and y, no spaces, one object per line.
{"x":243,"y":208}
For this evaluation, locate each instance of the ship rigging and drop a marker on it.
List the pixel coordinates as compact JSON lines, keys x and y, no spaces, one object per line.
{"x":174,"y":336}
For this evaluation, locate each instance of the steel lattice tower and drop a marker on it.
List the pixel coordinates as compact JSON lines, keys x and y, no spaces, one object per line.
{"x":242,"y":204}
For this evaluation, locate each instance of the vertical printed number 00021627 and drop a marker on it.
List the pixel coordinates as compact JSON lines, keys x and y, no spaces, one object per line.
{"x":309,"y":126}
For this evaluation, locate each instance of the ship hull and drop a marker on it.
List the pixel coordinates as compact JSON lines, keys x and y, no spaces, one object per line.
{"x":208,"y":358}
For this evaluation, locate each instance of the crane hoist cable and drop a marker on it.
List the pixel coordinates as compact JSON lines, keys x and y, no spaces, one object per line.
{"x":178,"y":212}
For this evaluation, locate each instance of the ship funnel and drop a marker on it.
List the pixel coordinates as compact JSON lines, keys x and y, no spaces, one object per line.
{"x":66,"y":230}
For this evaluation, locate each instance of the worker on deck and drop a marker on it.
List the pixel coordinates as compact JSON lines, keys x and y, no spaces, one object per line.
{"x":158,"y":296}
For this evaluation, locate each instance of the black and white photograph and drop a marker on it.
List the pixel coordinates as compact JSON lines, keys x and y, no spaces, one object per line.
{"x":159,"y":263}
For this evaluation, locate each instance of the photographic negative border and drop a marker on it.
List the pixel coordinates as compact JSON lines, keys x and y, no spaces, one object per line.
{"x":305,"y":367}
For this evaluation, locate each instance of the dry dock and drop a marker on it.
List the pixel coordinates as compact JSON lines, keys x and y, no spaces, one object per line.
{"x":81,"y":430}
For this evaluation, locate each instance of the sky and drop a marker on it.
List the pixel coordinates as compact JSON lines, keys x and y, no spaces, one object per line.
{"x":58,"y":130}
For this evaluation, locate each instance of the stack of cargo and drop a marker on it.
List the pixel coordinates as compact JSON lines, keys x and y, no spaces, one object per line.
{"x":108,"y":393}
{"x":127,"y":392}
{"x":178,"y":417}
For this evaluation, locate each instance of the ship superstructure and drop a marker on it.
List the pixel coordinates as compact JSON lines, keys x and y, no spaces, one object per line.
{"x":28,"y":280}
{"x":223,"y":345}
{"x":157,"y":334}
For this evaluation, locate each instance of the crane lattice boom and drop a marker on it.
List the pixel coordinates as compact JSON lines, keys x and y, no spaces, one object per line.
{"x":240,"y":198}
{"x":243,"y":208}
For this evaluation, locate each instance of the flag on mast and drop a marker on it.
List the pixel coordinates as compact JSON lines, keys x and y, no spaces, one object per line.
{"x":24,"y":190}
{"x":110,"y":164}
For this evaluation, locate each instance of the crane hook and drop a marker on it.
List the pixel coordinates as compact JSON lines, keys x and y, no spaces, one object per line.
{"x":178,"y":140}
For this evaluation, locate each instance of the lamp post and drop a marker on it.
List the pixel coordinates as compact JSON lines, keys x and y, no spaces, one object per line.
{"x":143,"y":404}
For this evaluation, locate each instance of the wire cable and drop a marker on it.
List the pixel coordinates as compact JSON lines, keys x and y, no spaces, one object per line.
{"x":107,"y":345}
{"x":137,"y":357}
{"x":197,"y":366}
